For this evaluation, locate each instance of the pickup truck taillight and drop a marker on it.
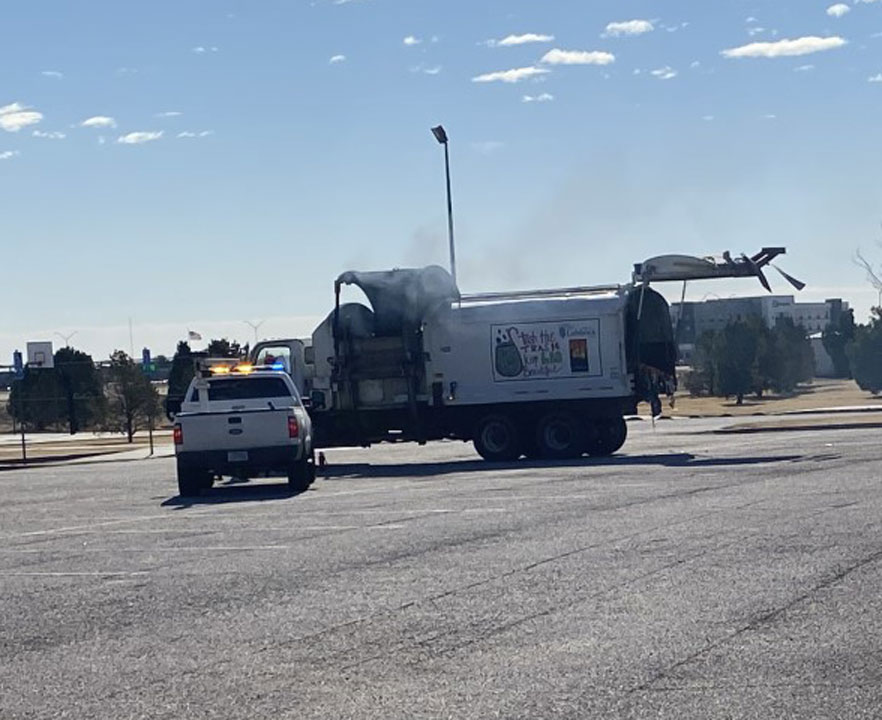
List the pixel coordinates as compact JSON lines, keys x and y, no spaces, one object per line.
{"x":178,"y":435}
{"x":293,"y":427}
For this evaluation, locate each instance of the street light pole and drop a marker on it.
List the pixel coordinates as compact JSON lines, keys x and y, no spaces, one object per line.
{"x":255,"y":327}
{"x":441,"y":137}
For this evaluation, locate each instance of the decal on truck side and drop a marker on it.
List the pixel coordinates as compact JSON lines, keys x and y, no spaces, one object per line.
{"x":546,"y":350}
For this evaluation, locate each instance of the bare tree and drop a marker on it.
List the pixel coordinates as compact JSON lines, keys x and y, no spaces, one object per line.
{"x":872,"y":276}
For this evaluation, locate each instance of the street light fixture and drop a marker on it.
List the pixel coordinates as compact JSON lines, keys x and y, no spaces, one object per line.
{"x":255,"y":327}
{"x":66,"y":338}
{"x":441,"y":137}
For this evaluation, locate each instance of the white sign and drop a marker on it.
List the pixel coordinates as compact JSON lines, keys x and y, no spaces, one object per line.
{"x":546,"y":350}
{"x":40,"y":354}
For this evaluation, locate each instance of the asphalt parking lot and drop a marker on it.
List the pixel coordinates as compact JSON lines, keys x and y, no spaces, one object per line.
{"x":694,"y":575}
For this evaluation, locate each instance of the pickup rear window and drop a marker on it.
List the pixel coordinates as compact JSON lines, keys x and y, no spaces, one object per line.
{"x":221,"y":389}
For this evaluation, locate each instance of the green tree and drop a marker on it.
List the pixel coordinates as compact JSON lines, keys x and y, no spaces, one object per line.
{"x":180,"y":375}
{"x":37,"y":399}
{"x":865,"y":354}
{"x":223,"y":348}
{"x":701,"y":380}
{"x":794,"y":361}
{"x":836,"y":339}
{"x":734,"y":359}
{"x":81,"y":387}
{"x":132,"y":400}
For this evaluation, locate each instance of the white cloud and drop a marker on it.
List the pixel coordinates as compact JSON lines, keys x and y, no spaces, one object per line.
{"x":838,"y":10}
{"x":875,"y":78}
{"x":191,"y":134}
{"x":410,"y":40}
{"x":804,"y":68}
{"x":577,"y":57}
{"x":544,"y":97}
{"x":201,"y":49}
{"x":695,"y":64}
{"x":664,"y":73}
{"x":628,"y":27}
{"x":99,"y":121}
{"x":707,"y":118}
{"x":785,"y":48}
{"x":755,"y":31}
{"x":510,"y":76}
{"x":7,"y":154}
{"x":524,"y":39}
{"x":52,"y":73}
{"x":49,"y":135}
{"x":336,"y":59}
{"x":434,"y":70}
{"x":751,"y":19}
{"x":16,"y":116}
{"x":139,"y":138}
{"x":168,"y":114}
{"x":487,"y":147}
{"x":770,"y":116}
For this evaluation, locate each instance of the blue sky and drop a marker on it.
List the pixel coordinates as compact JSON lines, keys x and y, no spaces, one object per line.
{"x":196,"y":164}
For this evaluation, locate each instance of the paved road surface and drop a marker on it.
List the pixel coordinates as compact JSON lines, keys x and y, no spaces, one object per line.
{"x":696,"y":576}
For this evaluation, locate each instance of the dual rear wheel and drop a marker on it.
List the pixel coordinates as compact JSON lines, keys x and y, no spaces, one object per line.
{"x":557,"y":435}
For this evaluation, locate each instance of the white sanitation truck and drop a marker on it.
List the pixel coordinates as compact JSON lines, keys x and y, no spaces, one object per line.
{"x":545,"y":373}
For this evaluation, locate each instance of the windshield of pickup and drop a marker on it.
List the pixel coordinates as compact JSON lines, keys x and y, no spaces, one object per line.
{"x":247,"y":388}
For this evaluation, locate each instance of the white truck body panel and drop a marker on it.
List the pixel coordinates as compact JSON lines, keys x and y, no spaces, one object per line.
{"x":562,"y":348}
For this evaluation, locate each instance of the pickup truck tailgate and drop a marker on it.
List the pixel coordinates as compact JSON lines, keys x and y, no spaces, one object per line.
{"x":235,"y":430}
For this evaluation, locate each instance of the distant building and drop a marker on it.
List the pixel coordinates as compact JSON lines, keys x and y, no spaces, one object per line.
{"x":692,"y":319}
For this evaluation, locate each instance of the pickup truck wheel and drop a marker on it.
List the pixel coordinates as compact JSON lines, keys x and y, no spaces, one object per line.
{"x":496,"y":438}
{"x":608,"y":436}
{"x":301,"y":475}
{"x":559,"y":436}
{"x":191,"y":482}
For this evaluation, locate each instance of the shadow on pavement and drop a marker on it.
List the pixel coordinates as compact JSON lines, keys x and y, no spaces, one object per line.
{"x":685,"y":460}
{"x":226,"y":492}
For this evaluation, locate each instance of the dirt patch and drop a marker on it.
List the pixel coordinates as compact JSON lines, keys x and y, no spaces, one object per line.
{"x":39,"y":448}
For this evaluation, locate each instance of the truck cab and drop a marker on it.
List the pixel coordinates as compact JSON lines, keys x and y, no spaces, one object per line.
{"x":289,"y":355}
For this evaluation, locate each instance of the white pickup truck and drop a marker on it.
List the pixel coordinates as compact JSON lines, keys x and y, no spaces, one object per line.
{"x":243,"y":423}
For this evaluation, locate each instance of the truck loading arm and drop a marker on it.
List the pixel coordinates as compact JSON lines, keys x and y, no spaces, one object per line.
{"x":688,"y":267}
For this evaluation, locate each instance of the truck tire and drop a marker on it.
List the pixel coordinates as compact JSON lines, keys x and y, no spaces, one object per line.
{"x":192,"y":481}
{"x":560,"y":436}
{"x":301,"y":474}
{"x":608,"y":436}
{"x":496,"y":438}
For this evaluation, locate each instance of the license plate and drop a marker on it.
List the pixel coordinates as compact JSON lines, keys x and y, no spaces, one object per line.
{"x":237,"y":456}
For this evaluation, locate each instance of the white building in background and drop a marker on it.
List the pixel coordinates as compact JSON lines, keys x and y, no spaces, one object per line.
{"x":692,"y":319}
{"x":814,"y":317}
